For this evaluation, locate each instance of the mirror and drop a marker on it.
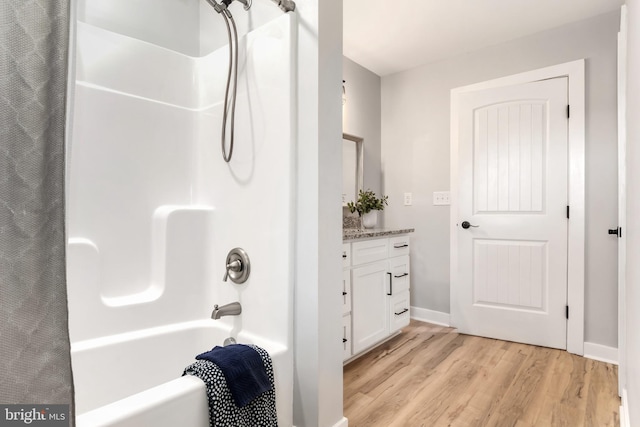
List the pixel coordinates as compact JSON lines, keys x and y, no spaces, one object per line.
{"x":352,"y":167}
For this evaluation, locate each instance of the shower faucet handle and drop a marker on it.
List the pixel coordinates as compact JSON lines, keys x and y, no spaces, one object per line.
{"x":237,"y":266}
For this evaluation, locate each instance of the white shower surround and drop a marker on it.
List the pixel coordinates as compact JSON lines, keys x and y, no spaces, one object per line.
{"x":152,"y":207}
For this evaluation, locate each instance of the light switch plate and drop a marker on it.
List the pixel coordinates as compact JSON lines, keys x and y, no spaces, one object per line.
{"x":441,"y":198}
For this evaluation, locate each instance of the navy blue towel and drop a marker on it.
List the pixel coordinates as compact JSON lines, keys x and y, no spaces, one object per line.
{"x":243,"y":370}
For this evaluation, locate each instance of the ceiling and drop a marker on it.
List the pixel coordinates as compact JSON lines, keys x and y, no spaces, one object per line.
{"x":387,"y":36}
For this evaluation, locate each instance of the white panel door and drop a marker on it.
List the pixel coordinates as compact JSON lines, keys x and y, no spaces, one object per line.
{"x":512,"y":194}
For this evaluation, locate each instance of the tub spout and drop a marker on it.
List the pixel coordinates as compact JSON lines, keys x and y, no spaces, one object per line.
{"x":231,"y":309}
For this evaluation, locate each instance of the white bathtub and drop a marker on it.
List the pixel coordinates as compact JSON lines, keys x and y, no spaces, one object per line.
{"x":134,"y":379}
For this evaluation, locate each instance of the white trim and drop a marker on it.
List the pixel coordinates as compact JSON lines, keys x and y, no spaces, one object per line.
{"x":601,"y":353}
{"x":576,"y":235}
{"x":431,"y":316}
{"x":622,"y":199}
{"x":344,"y":422}
{"x":624,"y":410}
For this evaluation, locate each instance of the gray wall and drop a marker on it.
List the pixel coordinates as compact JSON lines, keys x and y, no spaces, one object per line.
{"x":361,"y":117}
{"x":415,"y":153}
{"x":633,"y":212}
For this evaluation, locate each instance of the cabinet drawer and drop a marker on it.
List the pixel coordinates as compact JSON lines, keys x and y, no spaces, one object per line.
{"x":399,"y":311}
{"x":399,"y":245}
{"x":346,"y":337}
{"x":369,"y":251}
{"x":346,"y":291}
{"x":346,"y":255}
{"x":400,"y":274}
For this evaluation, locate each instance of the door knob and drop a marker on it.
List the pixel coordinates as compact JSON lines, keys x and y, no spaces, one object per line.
{"x":466,"y":224}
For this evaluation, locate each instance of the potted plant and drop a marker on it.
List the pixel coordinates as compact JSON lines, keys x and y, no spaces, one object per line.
{"x":367,"y":207}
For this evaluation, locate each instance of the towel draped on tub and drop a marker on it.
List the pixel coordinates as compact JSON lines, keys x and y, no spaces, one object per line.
{"x":252,"y":402}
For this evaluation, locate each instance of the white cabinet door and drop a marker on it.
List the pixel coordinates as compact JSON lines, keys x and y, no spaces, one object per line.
{"x":370,"y":305}
{"x":346,"y":255}
{"x":346,"y":337}
{"x":346,"y":291}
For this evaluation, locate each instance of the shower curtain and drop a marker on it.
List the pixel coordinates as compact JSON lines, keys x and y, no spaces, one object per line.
{"x":35,"y":365}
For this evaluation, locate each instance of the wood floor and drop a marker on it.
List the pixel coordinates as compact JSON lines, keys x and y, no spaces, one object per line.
{"x":431,"y":376}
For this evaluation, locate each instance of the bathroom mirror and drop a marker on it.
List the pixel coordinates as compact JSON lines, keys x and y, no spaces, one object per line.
{"x":352,"y":167}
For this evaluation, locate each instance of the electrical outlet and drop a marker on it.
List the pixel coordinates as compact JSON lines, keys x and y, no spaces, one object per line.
{"x":408,"y":199}
{"x":441,"y":198}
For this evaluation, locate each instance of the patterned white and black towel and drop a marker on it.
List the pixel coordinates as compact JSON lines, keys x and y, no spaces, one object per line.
{"x":223,"y":412}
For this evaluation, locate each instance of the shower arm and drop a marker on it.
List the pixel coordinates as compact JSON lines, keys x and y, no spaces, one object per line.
{"x":219,"y":7}
{"x":285,"y":5}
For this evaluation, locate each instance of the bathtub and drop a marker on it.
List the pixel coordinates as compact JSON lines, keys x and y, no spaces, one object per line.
{"x":134,"y":379}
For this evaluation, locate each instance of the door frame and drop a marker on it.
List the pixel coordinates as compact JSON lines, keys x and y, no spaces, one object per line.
{"x":622,"y":200}
{"x":575,"y":73}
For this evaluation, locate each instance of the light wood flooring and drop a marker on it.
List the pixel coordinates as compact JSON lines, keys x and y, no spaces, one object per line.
{"x":432,"y":376}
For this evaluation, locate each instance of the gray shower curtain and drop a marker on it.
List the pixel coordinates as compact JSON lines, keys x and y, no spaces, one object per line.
{"x":35,"y":365}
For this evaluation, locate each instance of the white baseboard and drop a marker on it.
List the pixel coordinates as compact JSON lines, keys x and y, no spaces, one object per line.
{"x":601,"y":353}
{"x":624,"y":410}
{"x":342,"y":423}
{"x":431,"y":316}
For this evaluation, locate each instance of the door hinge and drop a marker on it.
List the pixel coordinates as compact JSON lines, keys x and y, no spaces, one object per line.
{"x":567,"y":212}
{"x":568,"y":111}
{"x":566,"y":313}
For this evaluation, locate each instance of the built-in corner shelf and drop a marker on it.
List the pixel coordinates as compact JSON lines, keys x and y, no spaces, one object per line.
{"x":375,"y":287}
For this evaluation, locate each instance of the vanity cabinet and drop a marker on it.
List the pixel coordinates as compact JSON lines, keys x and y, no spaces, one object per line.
{"x":346,"y":301}
{"x":379,"y":275}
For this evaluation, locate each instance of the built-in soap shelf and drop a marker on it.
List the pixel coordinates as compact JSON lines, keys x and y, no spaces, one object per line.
{"x":178,"y":248}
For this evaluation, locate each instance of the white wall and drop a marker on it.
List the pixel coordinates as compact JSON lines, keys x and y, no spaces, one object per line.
{"x":361,"y":117}
{"x":318,"y":317}
{"x":415,"y":153}
{"x":213,"y":30}
{"x":633,"y":212}
{"x":168,"y":23}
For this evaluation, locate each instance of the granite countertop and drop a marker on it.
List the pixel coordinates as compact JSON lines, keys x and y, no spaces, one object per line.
{"x":355,"y":233}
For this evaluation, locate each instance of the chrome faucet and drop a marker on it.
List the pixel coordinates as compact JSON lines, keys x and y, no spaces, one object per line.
{"x":231,"y":309}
